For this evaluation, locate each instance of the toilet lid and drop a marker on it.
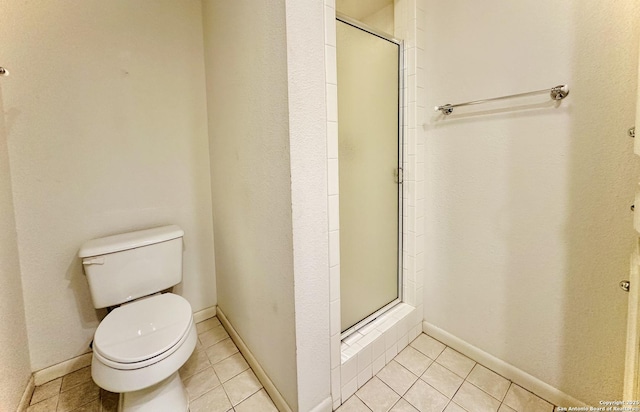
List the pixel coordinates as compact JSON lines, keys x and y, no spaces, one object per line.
{"x":143,"y":329}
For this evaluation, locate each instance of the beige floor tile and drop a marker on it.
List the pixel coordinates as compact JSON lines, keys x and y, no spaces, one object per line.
{"x":524,"y":401}
{"x":48,"y":405}
{"x":201,"y":383}
{"x":425,"y":398}
{"x":221,"y":350}
{"x":258,"y":402}
{"x":353,"y":404}
{"x":403,"y":406}
{"x":489,"y":381}
{"x":414,"y":360}
{"x":213,"y":336}
{"x":456,"y":362}
{"x":213,"y":401}
{"x":505,"y":408}
{"x":242,"y":386}
{"x":428,"y":346}
{"x":377,"y":396}
{"x":46,"y":391}
{"x":197,"y":361}
{"x":93,"y":406}
{"x":441,"y":378}
{"x":473,"y":399}
{"x":397,"y":377}
{"x":230,"y":367}
{"x":78,"y":396}
{"x":109,"y":401}
{"x":75,"y":378}
{"x":452,"y":407}
{"x":207,"y":325}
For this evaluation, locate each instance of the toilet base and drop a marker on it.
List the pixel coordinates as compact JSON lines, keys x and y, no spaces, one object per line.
{"x":168,"y":395}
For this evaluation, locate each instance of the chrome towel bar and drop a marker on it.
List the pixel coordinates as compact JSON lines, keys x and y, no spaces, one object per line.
{"x":556,"y":93}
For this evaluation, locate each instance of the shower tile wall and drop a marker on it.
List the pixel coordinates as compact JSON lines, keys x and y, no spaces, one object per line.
{"x":331,"y":75}
{"x":409,"y":25}
{"x":403,"y":324}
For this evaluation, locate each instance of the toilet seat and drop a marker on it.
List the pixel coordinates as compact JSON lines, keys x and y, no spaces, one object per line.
{"x":143,"y":332}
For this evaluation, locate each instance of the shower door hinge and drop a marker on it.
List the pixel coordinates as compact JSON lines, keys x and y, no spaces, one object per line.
{"x":398,"y":175}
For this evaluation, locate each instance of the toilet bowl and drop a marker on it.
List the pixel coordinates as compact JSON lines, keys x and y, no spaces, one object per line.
{"x":141,"y":344}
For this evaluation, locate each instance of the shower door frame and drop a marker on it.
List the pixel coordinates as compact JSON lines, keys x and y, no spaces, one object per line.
{"x":400,"y":44}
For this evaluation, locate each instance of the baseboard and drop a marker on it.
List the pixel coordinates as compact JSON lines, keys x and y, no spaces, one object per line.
{"x":204,"y":314}
{"x":514,"y":374}
{"x":63,"y":368}
{"x":324,"y":406}
{"x":271,"y":389}
{"x":26,"y":395}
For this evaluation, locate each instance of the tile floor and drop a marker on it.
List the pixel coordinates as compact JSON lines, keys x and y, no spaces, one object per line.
{"x":428,"y":376}
{"x":217,"y":378}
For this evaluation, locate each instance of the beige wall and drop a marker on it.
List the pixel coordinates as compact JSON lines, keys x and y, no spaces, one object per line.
{"x":381,"y":19}
{"x":527,"y":208}
{"x":246,"y":70}
{"x":106,"y":128}
{"x":14,"y":347}
{"x":378,"y":14}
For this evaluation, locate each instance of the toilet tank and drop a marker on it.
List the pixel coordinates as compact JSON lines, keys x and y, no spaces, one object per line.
{"x":127,"y":266}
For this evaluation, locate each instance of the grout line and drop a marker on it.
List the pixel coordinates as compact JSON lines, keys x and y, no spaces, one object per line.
{"x":244,"y":399}
{"x":211,"y":389}
{"x":483,"y":391}
{"x":436,"y":389}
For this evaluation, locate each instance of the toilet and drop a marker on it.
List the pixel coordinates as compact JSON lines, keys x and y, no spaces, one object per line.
{"x":148,"y":335}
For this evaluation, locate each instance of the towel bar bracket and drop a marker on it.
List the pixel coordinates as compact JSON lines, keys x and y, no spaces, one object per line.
{"x":625,"y":285}
{"x":559,"y":92}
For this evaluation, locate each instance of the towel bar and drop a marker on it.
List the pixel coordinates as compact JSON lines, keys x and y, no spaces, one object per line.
{"x":556,"y":93}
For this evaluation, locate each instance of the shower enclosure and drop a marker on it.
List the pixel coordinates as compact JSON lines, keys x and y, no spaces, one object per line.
{"x":369,"y":156}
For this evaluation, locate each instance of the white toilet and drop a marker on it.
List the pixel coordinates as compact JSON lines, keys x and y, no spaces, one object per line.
{"x":140,"y":345}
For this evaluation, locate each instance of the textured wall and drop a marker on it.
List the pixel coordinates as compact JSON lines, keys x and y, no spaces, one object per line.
{"x":107,"y":132}
{"x":246,"y":70}
{"x":308,"y":157}
{"x":14,"y":347}
{"x":527,"y":205}
{"x":381,"y":19}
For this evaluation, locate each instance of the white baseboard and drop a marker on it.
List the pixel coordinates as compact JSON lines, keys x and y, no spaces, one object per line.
{"x":518,"y":376}
{"x":63,"y":368}
{"x":27,"y":394}
{"x":324,"y":406}
{"x":271,"y":389}
{"x":204,"y":314}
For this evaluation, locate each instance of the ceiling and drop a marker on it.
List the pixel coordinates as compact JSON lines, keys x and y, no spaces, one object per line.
{"x":359,"y":9}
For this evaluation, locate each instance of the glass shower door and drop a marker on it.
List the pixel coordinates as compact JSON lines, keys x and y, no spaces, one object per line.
{"x":368,"y":156}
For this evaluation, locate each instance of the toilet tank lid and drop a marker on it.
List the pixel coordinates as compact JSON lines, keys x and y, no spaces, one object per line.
{"x":131,"y":240}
